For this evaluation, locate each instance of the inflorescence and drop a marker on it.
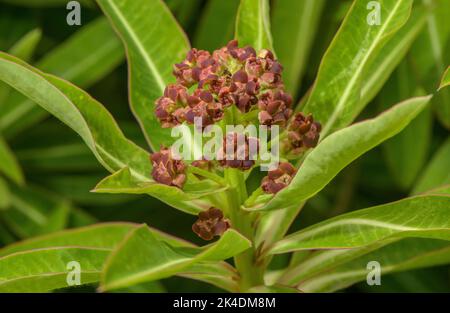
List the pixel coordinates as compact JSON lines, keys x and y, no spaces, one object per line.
{"x":207,"y":86}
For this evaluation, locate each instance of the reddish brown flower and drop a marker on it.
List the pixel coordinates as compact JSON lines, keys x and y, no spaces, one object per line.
{"x":229,"y":76}
{"x":274,"y":108}
{"x":166,"y":170}
{"x":202,"y":105}
{"x":278,"y":178}
{"x":210,"y":223}
{"x":170,"y":107}
{"x":197,"y":66}
{"x":238,"y":151}
{"x":303,"y":133}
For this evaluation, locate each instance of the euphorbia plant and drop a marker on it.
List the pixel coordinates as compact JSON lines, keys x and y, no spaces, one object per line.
{"x":241,"y":83}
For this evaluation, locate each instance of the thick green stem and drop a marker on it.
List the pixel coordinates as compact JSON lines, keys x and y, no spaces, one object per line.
{"x":251,"y":274}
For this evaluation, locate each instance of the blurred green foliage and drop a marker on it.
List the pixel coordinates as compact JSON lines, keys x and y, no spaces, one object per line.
{"x":59,"y":170}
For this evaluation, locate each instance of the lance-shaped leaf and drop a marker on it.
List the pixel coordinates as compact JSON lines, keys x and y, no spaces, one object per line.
{"x":437,"y":173}
{"x":390,"y":56}
{"x":61,"y":152}
{"x":429,"y":55}
{"x":34,"y":211}
{"x":8,"y":163}
{"x":422,"y":216}
{"x":342,"y":147}
{"x":47,"y":269}
{"x":80,"y":112}
{"x":294,"y":26}
{"x":337,"y":89}
{"x":46,"y":3}
{"x":94,"y":243}
{"x":123,"y":182}
{"x":406,"y":152}
{"x":25,"y":47}
{"x":142,"y":257}
{"x":253,"y":24}
{"x":219,"y":274}
{"x":154,"y":43}
{"x":309,"y":263}
{"x":5,"y":195}
{"x":88,"y":118}
{"x":105,"y":235}
{"x":89,"y":246}
{"x":83,"y":59}
{"x":445,"y":81}
{"x":445,"y":190}
{"x":399,"y":256}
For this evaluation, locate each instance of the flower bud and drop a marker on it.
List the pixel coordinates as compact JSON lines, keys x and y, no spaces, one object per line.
{"x":210,"y":223}
{"x":169,"y":108}
{"x":167,"y":170}
{"x":274,"y":108}
{"x":303,"y":133}
{"x":279,"y":178}
{"x":238,"y":151}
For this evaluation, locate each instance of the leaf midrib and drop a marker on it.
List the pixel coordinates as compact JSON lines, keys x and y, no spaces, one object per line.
{"x":147,"y":58}
{"x":350,"y":85}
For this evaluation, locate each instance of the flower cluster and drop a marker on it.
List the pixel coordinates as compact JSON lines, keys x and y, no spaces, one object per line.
{"x":246,"y":81}
{"x":303,"y":133}
{"x":238,"y":151}
{"x":167,"y":170}
{"x":210,"y":223}
{"x":278,"y":178}
{"x":229,"y":76}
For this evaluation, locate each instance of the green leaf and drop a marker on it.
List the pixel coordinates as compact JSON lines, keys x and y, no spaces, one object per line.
{"x":339,"y":149}
{"x":406,"y":152}
{"x":437,"y":173}
{"x":88,"y":245}
{"x":390,"y":56}
{"x":9,"y":165}
{"x":84,"y":58}
{"x":253,"y":24}
{"x":221,"y":275}
{"x":81,"y":113}
{"x":63,"y":151}
{"x":142,"y":257}
{"x":34,"y":212}
{"x":77,"y":189}
{"x":399,"y":256}
{"x":336,"y":93}
{"x":142,"y":24}
{"x":294,"y":26}
{"x":422,"y":216}
{"x":445,"y":81}
{"x":102,"y":236}
{"x":46,"y":3}
{"x":315,"y":263}
{"x":106,"y":236}
{"x":123,"y":182}
{"x":445,"y":190}
{"x":25,"y":47}
{"x":216,"y":25}
{"x":431,"y":58}
{"x":51,"y":268}
{"x":5,"y":195}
